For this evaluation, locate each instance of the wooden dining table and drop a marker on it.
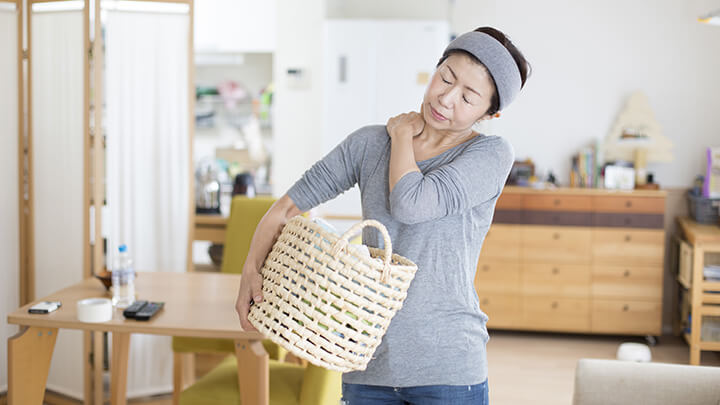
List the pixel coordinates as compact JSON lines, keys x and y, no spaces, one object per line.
{"x":196,"y":305}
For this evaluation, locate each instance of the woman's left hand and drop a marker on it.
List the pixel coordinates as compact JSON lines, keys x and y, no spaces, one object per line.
{"x":409,"y":124}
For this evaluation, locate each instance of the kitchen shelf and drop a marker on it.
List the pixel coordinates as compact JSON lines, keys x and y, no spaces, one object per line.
{"x":704,"y":300}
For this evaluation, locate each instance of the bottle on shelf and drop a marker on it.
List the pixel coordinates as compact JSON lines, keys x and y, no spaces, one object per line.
{"x":123,"y":279}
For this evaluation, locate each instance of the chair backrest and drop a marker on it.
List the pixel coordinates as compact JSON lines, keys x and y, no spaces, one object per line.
{"x":245,"y":215}
{"x":320,"y":386}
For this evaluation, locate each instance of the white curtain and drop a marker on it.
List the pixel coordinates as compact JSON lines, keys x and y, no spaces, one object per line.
{"x":57,"y":145}
{"x":147,"y":162}
{"x":9,"y":237}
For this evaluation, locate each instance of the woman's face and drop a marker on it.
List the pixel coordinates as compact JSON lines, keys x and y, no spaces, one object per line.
{"x":458,"y":95}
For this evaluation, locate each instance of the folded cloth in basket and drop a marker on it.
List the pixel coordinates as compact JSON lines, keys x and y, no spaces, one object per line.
{"x":362,"y":249}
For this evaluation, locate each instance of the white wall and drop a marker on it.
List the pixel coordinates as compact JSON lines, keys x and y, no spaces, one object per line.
{"x":9,"y":237}
{"x":381,"y":9}
{"x":587,"y":57}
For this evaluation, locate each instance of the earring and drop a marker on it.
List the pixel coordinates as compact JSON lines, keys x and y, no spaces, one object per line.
{"x":496,"y":115}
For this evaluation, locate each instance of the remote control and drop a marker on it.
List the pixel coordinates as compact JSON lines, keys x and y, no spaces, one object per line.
{"x":148,"y":311}
{"x":134,"y":308}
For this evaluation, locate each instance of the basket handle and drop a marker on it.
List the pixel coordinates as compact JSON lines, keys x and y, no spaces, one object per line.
{"x":342,"y":243}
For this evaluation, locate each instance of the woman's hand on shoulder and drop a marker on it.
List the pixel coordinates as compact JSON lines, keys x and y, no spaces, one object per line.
{"x":408,"y":124}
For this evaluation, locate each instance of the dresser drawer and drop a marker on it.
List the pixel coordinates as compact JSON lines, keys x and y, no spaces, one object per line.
{"x":549,"y":244}
{"x":561,"y":314}
{"x":539,"y":202}
{"x":502,"y":242}
{"x":627,"y":317}
{"x":557,"y":218}
{"x":628,"y":247}
{"x":638,"y":283}
{"x":503,"y":310}
{"x":624,"y":220}
{"x":510,"y":217}
{"x":509,"y":201}
{"x":498,"y":276}
{"x":628,"y":204}
{"x":564,"y":280}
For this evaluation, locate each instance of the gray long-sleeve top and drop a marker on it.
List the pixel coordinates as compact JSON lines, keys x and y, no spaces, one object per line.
{"x":438,"y":218}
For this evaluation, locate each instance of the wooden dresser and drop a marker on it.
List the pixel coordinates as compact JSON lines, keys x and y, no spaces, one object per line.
{"x":574,"y":260}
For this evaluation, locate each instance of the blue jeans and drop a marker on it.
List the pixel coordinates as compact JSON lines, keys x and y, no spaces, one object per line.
{"x":358,"y":394}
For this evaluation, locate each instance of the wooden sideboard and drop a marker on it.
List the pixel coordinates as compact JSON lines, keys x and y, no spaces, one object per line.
{"x":574,"y":260}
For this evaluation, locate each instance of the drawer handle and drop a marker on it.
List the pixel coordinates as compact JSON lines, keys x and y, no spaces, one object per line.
{"x":556,"y":202}
{"x":628,"y":238}
{"x":626,"y":273}
{"x":484,"y":301}
{"x":628,"y":204}
{"x":556,"y":236}
{"x":626,"y":308}
{"x":485,"y":267}
{"x":554,"y":305}
{"x":555,"y":270}
{"x":628,"y":221}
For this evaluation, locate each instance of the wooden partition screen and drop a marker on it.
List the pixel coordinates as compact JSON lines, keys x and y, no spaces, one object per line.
{"x":60,"y":165}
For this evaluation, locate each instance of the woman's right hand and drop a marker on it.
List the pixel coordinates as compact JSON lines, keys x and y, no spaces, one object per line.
{"x":409,"y":125}
{"x":250,"y":290}
{"x":262,"y":241}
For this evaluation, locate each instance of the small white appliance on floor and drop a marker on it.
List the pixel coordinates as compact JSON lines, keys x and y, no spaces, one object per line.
{"x":637,"y":352}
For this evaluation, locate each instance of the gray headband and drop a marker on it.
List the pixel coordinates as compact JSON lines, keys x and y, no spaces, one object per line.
{"x":497,"y":60}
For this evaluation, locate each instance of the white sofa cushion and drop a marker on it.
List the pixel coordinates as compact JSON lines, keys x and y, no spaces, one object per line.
{"x":613,"y":382}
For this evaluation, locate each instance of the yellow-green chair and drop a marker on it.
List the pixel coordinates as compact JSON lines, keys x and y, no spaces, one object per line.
{"x":245,"y":214}
{"x":290,"y":384}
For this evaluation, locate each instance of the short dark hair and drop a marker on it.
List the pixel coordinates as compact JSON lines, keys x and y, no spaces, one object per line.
{"x":522,"y":63}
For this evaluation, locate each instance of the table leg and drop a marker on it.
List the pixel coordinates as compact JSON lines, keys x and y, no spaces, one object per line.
{"x":98,"y":341}
{"x":253,"y":372}
{"x":118,"y":368}
{"x":87,"y":370}
{"x":29,"y":355}
{"x":183,"y":373}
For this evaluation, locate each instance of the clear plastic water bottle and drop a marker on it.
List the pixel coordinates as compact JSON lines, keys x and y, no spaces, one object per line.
{"x":123,"y":279}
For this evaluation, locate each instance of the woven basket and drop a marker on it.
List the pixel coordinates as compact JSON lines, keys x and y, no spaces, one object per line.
{"x":326,"y":302}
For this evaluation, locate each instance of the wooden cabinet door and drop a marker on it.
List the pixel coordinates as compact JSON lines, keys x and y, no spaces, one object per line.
{"x":502,"y":242}
{"x":556,"y":314}
{"x":562,"y":280}
{"x":627,"y":317}
{"x":503,"y":310}
{"x":548,"y":244}
{"x":550,"y":202}
{"x":498,"y":277}
{"x":638,"y":283}
{"x":628,"y":247}
{"x":509,"y":201}
{"x":628,"y":204}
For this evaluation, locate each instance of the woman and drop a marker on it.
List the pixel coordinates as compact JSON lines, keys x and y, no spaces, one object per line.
{"x":433,"y":182}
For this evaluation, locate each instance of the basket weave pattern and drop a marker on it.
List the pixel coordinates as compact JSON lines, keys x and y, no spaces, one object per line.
{"x":326,"y":302}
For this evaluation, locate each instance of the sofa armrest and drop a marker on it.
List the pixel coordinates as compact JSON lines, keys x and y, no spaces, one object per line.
{"x":610,"y":382}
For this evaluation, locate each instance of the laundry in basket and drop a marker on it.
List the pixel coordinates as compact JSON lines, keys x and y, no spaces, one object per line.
{"x":325,"y":301}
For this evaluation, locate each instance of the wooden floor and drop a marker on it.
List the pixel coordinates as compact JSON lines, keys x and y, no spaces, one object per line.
{"x":539,"y":369}
{"x":525,"y":368}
